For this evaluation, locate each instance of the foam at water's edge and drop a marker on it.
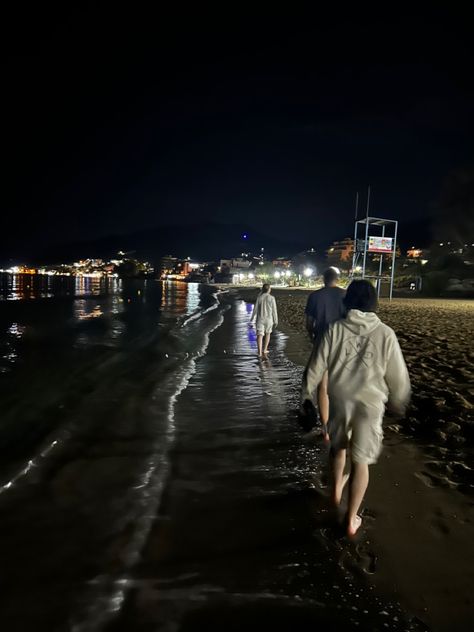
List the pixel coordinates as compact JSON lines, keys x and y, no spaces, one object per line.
{"x":201,"y":312}
{"x":107,"y":593}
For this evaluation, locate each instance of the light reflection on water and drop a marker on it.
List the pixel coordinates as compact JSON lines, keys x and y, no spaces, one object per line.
{"x":174,"y":296}
{"x":192,"y":298}
{"x":8,"y":349}
{"x":87,"y":312}
{"x":15,"y":287}
{"x":16,"y":330}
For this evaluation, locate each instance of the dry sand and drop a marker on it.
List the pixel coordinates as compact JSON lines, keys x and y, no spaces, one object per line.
{"x":418,"y":538}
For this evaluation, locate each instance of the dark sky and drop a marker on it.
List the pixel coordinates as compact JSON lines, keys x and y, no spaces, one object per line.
{"x":112,"y":124}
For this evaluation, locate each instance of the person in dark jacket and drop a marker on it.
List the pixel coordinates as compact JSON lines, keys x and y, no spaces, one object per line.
{"x":323,"y":308}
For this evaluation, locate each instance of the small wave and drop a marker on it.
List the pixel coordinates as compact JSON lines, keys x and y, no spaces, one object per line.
{"x":107,"y":593}
{"x":201,"y":312}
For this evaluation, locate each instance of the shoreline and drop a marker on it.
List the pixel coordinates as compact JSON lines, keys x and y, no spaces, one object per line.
{"x":245,"y":537}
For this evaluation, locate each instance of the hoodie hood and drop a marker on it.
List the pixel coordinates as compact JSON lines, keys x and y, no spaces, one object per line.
{"x":361,"y":323}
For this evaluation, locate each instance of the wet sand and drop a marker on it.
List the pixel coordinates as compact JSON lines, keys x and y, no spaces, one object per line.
{"x":419,"y":510}
{"x":245,"y":538}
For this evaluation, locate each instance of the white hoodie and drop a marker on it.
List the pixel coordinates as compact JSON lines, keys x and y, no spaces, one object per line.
{"x":364,"y":363}
{"x":265,"y":310}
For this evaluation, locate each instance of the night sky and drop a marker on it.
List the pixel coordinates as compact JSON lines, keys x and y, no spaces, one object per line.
{"x":113,"y":124}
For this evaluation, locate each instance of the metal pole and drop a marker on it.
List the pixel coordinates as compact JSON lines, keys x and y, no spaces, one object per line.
{"x":379,"y":280}
{"x":365,"y":246}
{"x":354,"y":254}
{"x":393,"y":259}
{"x":366,"y":231}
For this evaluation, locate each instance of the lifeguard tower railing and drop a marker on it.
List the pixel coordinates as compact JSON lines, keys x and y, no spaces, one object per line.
{"x":375,"y":236}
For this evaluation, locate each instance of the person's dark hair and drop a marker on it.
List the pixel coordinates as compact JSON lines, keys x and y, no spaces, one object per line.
{"x":361,"y":295}
{"x":330,"y":276}
{"x":265,"y":288}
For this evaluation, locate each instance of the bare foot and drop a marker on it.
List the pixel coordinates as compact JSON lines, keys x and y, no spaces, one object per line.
{"x":265,"y":352}
{"x":353,"y":526}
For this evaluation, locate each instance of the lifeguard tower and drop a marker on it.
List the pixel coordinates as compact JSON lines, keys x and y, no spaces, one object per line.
{"x":374,"y":239}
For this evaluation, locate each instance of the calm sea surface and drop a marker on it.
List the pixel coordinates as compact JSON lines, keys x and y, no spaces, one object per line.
{"x":63,"y":338}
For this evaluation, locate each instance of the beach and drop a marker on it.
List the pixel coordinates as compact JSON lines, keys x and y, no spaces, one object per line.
{"x":436,"y":339}
{"x":419,"y":503}
{"x":155,"y":477}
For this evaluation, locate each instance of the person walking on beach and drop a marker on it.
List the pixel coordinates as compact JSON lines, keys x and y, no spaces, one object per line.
{"x":265,"y":316}
{"x":323,"y":308}
{"x":366,"y":370}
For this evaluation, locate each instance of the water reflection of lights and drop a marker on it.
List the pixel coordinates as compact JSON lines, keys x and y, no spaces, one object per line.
{"x":95,"y":313}
{"x":80,"y":308}
{"x":193,"y":298}
{"x":9,"y":353}
{"x":16,"y":330}
{"x":174,"y":297}
{"x":14,"y":287}
{"x":116,"y":304}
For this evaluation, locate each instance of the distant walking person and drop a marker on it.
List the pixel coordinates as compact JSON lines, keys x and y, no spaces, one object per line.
{"x":366,"y":369}
{"x":265,"y":316}
{"x":323,"y":308}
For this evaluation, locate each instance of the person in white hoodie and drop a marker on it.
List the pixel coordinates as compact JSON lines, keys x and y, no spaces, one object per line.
{"x":366,"y":370}
{"x":265,"y":316}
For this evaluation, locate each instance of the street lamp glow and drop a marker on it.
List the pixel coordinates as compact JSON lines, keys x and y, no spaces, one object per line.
{"x":308,"y":272}
{"x":287,"y":273}
{"x":277,"y":275}
{"x":251,"y":275}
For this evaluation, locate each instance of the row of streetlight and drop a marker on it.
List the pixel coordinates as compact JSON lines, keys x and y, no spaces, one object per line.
{"x":307,"y":273}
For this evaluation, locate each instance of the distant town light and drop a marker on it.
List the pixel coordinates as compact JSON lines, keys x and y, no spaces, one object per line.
{"x":251,"y":275}
{"x":308,"y":272}
{"x":277,"y":275}
{"x":245,"y":235}
{"x":287,"y":273}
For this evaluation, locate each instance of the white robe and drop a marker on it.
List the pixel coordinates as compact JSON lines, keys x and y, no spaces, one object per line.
{"x":365,"y":365}
{"x":265,"y":311}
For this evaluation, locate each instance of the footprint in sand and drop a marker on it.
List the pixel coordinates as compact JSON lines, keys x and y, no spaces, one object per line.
{"x":441,"y":526}
{"x":367,"y":559}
